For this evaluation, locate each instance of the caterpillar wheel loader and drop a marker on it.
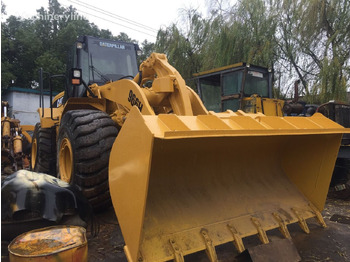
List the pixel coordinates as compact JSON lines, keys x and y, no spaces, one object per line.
{"x":239,"y":86}
{"x":181,"y":178}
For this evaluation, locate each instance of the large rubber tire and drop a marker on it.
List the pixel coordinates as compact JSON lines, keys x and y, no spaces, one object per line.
{"x":43,"y":152}
{"x":84,"y":143}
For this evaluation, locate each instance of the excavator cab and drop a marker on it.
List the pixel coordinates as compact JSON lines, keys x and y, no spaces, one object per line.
{"x":238,"y":87}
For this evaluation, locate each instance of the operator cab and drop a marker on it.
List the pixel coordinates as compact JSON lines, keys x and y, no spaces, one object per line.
{"x":101,"y":61}
{"x":224,"y":88}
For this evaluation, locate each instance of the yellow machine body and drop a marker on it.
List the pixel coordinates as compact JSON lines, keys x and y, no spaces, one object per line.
{"x":6,"y":127}
{"x":183,"y":184}
{"x":267,"y":106}
{"x":17,"y":144}
{"x":183,"y":179}
{"x":15,"y":138}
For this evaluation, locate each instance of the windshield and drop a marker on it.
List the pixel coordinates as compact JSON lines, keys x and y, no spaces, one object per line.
{"x":211,"y":95}
{"x":232,"y":83}
{"x":256,"y":83}
{"x":108,"y":60}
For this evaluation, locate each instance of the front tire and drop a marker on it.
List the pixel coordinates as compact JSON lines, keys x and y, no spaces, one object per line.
{"x":84,"y":143}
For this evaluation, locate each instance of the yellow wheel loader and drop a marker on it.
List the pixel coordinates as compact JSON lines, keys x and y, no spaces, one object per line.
{"x":181,"y":178}
{"x":240,"y":86}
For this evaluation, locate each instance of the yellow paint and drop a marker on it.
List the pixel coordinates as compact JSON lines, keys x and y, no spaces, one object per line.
{"x":171,"y":176}
{"x":218,"y":69}
{"x":65,"y":160}
{"x":34,"y":153}
{"x":6,"y":127}
{"x":47,"y":121}
{"x":267,"y":106}
{"x":17,"y":144}
{"x":57,"y":243}
{"x":273,"y":107}
{"x":25,"y":129}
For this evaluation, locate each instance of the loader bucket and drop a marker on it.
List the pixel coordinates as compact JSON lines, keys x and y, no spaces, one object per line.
{"x":182,"y":184}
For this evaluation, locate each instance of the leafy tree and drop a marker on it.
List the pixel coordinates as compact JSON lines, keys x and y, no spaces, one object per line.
{"x":184,"y":50}
{"x":314,"y":39}
{"x":124,"y":37}
{"x":20,"y":49}
{"x":248,"y":35}
{"x":334,"y":25}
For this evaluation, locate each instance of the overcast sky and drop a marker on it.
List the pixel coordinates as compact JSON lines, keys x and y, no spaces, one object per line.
{"x":144,"y":17}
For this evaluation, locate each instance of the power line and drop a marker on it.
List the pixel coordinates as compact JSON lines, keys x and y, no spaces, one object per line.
{"x":116,"y":23}
{"x":99,"y":10}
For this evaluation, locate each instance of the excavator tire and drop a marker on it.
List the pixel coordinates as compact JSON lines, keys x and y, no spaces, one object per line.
{"x":43,"y":153}
{"x":84,"y":142}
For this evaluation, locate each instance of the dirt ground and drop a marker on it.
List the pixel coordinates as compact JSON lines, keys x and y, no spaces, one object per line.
{"x":322,"y":244}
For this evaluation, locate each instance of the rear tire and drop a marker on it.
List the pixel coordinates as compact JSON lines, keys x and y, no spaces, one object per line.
{"x":84,"y":143}
{"x":43,"y":151}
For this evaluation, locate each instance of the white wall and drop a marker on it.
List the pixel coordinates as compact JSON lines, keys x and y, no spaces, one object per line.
{"x":24,"y":106}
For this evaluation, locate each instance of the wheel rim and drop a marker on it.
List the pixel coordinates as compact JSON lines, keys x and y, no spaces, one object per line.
{"x":33,"y":153}
{"x":66,"y":160}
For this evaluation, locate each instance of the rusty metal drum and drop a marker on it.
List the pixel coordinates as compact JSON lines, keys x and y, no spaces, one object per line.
{"x":56,"y":243}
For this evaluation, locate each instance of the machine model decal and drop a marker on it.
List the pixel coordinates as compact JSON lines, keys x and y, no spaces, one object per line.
{"x":134,"y":101}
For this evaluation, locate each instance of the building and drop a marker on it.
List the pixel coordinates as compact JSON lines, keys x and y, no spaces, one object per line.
{"x":24,"y":103}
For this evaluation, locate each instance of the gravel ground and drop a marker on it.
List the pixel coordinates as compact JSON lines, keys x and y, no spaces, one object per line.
{"x":322,"y":244}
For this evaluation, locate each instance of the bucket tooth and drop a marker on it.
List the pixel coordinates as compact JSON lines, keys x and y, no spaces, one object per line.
{"x":262,"y":234}
{"x":211,"y":253}
{"x":283,"y":226}
{"x":237,"y":240}
{"x":301,"y":221}
{"x":177,"y":251}
{"x":318,"y":216}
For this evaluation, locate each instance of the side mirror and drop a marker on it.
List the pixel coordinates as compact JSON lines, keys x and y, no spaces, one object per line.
{"x":76,"y":76}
